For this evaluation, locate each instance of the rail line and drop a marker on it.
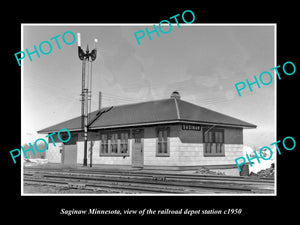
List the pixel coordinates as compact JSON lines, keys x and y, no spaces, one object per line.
{"x":145,"y":182}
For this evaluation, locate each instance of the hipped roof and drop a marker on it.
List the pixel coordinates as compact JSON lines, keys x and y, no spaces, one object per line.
{"x":164,"y":111}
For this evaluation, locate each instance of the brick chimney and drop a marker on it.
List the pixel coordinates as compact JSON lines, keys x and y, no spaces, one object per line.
{"x":175,"y":94}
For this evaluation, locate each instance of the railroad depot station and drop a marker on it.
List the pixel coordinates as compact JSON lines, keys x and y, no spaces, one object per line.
{"x":170,"y":134}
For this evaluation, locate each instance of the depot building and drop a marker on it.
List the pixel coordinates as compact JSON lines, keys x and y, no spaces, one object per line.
{"x":162,"y":134}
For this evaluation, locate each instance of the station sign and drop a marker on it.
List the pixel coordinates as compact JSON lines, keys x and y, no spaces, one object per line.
{"x":191,"y":127}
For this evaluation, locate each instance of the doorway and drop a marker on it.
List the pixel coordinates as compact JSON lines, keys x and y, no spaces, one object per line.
{"x":137,"y":148}
{"x":69,"y":154}
{"x":69,"y":151}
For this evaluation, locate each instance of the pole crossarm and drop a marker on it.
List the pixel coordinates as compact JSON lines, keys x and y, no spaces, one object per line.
{"x":86,"y":55}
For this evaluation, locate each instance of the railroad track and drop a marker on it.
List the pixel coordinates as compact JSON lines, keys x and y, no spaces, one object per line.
{"x":145,"y":182}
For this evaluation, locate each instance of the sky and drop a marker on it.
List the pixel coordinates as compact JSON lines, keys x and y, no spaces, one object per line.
{"x":201,"y":61}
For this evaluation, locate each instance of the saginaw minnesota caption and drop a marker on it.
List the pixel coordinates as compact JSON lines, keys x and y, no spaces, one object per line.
{"x":149,"y":211}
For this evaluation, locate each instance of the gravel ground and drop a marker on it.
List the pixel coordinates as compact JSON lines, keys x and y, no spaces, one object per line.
{"x":47,"y":189}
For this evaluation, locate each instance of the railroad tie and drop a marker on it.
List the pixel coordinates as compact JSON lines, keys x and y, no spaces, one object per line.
{"x":76,"y":185}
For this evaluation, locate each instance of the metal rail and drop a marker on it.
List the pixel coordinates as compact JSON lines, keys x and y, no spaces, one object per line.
{"x":110,"y":187}
{"x":150,"y":182}
{"x":144,"y":173}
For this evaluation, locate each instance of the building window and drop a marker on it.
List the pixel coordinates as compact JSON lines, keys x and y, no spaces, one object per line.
{"x":104,"y":144}
{"x":163,"y":146}
{"x":124,"y":142}
{"x":213,"y":142}
{"x":114,"y":143}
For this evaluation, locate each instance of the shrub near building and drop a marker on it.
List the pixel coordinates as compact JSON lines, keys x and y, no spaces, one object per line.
{"x":262,"y":155}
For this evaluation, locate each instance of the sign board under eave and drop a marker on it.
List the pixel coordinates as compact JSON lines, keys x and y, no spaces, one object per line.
{"x":191,"y":127}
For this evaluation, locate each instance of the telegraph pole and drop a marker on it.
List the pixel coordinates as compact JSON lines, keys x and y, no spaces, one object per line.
{"x":87,"y":58}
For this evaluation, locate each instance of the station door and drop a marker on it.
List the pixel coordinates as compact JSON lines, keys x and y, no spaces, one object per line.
{"x":137,"y":148}
{"x":69,"y":156}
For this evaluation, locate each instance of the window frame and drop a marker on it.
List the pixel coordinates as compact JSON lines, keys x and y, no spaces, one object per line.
{"x":167,"y":142}
{"x":121,"y":142}
{"x":118,"y":142}
{"x":102,"y":144}
{"x":210,"y":136}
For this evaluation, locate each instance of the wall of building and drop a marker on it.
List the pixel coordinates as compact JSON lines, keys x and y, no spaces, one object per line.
{"x":53,"y":153}
{"x":192,"y":154}
{"x":106,"y":160}
{"x":186,"y":149}
{"x":151,"y":159}
{"x":231,"y":135}
{"x":188,"y":154}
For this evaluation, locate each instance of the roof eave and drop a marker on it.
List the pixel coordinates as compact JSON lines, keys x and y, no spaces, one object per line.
{"x":250,"y":126}
{"x":44,"y":131}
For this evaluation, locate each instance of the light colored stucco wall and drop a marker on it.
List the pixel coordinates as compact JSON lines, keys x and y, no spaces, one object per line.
{"x":181,"y":154}
{"x":188,"y":154}
{"x":53,"y":153}
{"x":186,"y":149}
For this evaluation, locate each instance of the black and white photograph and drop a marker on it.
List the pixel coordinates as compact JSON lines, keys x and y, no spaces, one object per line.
{"x":148,"y":112}
{"x":120,"y":115}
